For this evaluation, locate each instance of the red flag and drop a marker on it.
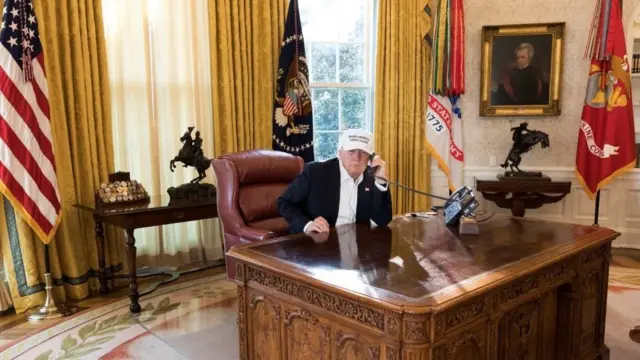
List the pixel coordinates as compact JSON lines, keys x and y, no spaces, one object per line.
{"x":27,"y":166}
{"x":457,"y":48}
{"x":606,"y":139}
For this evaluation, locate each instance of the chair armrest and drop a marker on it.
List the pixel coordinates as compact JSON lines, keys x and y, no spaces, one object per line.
{"x":253,"y":234}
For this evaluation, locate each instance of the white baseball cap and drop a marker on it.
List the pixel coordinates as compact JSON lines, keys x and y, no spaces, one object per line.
{"x":357,"y":139}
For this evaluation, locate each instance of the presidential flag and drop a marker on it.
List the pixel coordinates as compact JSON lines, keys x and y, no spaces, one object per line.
{"x":292,"y":114}
{"x":606,"y":138}
{"x":27,"y":165}
{"x":443,"y":124}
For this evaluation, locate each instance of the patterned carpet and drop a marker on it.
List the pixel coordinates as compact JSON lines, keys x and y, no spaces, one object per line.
{"x":182,"y":321}
{"x":623,"y":312}
{"x":192,"y":319}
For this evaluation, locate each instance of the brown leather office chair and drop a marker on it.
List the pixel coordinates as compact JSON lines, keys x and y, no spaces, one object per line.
{"x":248,"y":185}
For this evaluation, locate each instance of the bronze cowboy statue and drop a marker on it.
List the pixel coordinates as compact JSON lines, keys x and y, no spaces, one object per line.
{"x":191,"y":155}
{"x":523,"y":141}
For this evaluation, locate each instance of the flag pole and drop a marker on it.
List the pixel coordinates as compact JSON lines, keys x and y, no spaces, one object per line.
{"x":51,"y":309}
{"x":597,"y":209}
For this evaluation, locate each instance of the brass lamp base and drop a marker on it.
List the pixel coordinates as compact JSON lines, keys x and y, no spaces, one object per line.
{"x":50,"y":310}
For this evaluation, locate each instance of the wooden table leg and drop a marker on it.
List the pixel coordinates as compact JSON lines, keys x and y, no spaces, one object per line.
{"x":133,"y":277}
{"x":518,"y":206}
{"x":102,"y":276}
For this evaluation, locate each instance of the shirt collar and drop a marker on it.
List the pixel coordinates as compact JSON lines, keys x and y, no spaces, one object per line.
{"x":344,"y":175}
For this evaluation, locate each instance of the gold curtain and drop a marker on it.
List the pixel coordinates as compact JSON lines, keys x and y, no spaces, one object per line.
{"x":76,"y":66}
{"x":245,"y":41}
{"x":402,"y":66}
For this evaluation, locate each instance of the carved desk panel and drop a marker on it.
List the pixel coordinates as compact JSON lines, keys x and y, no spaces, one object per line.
{"x":522,"y":289}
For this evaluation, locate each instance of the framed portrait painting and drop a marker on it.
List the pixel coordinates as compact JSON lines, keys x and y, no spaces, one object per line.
{"x":521,"y":71}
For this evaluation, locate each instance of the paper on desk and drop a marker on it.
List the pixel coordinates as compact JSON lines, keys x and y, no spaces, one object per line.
{"x":398,"y":261}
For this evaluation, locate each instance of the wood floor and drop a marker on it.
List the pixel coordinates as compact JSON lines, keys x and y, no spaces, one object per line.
{"x":627,"y":258}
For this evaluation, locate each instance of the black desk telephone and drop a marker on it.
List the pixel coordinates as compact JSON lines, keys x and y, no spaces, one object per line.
{"x":461,"y":203}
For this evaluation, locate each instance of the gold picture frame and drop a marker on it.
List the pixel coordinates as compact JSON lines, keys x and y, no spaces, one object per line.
{"x":522,"y":69}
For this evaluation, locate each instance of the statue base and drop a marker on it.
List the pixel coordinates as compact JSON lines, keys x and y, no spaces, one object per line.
{"x":192,"y":192}
{"x":468,"y":226}
{"x":523,"y":175}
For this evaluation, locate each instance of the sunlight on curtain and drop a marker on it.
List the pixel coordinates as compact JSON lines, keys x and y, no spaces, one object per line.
{"x":159,"y":70}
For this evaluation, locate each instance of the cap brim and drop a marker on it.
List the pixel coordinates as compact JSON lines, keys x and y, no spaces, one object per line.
{"x":349,"y":147}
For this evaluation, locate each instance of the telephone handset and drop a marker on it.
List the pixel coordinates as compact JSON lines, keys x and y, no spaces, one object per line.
{"x":461,"y":203}
{"x":373,"y":169}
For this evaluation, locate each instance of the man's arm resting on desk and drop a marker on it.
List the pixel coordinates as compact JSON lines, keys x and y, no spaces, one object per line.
{"x":291,"y":201}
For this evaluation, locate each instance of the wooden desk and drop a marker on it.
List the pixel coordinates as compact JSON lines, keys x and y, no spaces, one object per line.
{"x":522,"y":289}
{"x":159,"y":211}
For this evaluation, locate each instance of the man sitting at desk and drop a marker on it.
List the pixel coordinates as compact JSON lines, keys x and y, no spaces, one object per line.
{"x":342,"y":190}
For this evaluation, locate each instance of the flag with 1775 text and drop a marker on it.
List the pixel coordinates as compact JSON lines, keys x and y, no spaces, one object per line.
{"x":445,"y":39}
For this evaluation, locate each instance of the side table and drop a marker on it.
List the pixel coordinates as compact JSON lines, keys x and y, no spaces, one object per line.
{"x":519,"y":194}
{"x":158,"y":211}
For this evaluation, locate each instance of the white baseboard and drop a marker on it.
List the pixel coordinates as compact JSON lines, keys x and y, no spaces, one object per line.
{"x":619,"y":201}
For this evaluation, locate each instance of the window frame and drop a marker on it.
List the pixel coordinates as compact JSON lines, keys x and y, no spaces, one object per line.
{"x":369,"y":42}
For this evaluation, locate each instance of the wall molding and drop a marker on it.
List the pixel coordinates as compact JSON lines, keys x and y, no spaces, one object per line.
{"x":619,"y":201}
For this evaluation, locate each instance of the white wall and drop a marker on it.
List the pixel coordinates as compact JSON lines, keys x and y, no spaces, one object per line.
{"x":487,"y":140}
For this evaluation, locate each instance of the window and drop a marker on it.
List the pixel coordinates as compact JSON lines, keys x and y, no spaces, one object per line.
{"x":161,"y":84}
{"x":339,"y":43}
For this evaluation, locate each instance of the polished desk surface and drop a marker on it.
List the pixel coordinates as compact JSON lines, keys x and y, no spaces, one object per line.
{"x":419,"y":261}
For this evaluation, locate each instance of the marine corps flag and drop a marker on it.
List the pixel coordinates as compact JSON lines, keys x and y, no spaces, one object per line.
{"x":444,"y":116}
{"x":292,"y":116}
{"x":606,"y":138}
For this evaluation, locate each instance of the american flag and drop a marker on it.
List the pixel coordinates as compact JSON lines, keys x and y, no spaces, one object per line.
{"x":27,"y":166}
{"x":290,"y":106}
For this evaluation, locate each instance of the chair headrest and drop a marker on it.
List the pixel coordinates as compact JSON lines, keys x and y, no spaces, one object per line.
{"x":264,"y":166}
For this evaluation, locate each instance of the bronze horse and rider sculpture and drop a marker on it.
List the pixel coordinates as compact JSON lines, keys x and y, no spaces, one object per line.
{"x":191,"y":155}
{"x":523,"y":141}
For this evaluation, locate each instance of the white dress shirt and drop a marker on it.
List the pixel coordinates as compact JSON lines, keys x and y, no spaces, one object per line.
{"x":349,"y":197}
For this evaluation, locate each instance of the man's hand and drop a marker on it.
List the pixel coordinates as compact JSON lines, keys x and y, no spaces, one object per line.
{"x":319,"y":237}
{"x":381,"y":172}
{"x":319,"y":225}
